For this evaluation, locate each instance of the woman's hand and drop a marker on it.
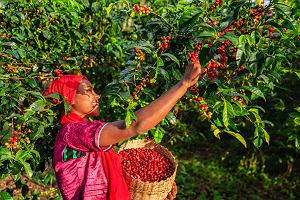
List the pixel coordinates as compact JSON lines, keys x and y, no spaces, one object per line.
{"x":192,"y":73}
{"x":172,"y":193}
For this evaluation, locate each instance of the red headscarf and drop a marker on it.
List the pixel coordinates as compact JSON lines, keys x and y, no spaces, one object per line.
{"x":66,"y":86}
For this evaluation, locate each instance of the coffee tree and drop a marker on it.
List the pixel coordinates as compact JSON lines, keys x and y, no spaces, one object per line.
{"x":244,"y":47}
{"x":133,"y":53}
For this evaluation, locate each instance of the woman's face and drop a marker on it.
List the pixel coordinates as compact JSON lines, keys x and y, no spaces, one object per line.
{"x":85,"y":102}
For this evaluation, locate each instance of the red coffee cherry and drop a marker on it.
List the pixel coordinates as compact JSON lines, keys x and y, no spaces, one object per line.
{"x":146,"y":164}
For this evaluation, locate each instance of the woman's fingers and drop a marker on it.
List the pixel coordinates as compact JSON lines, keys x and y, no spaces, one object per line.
{"x":172,"y":193}
{"x":193,"y":72}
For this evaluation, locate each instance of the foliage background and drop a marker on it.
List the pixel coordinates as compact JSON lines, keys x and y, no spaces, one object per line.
{"x":97,"y":39}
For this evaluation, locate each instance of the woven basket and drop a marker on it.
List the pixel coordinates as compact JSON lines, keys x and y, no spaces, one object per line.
{"x":149,"y":190}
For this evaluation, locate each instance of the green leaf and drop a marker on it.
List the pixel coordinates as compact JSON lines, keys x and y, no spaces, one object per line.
{"x":164,"y":73}
{"x":239,"y":54}
{"x":27,"y":168}
{"x":5,"y":196}
{"x":206,"y":34}
{"x":238,"y":136}
{"x":128,"y":119}
{"x":5,"y":129}
{"x":160,"y":62}
{"x":96,"y":6}
{"x":230,"y":109}
{"x":114,"y":103}
{"x":205,"y":26}
{"x":125,"y":95}
{"x":269,"y":61}
{"x":253,"y":37}
{"x":22,"y":155}
{"x":54,"y":95}
{"x":298,"y":74}
{"x":255,"y":112}
{"x":231,"y":37}
{"x":37,"y":105}
{"x":267,"y":136}
{"x":172,"y":57}
{"x":217,"y":106}
{"x":255,"y":91}
{"x":38,"y":134}
{"x":257,"y":138}
{"x":47,"y":34}
{"x":264,"y":78}
{"x":171,"y":118}
{"x":67,"y":107}
{"x":225,"y":114}
{"x":297,"y":144}
{"x":297,"y":121}
{"x":283,"y":8}
{"x":218,"y":122}
{"x":177,"y":74}
{"x":188,"y":17}
{"x":158,"y":134}
{"x":249,"y":40}
{"x":216,"y":133}
{"x":5,"y":154}
{"x":32,"y":82}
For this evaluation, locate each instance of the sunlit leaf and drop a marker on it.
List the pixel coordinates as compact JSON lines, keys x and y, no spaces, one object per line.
{"x":267,"y":136}
{"x":160,"y":62}
{"x":5,"y":196}
{"x":238,"y":136}
{"x":216,"y":133}
{"x":225,"y":114}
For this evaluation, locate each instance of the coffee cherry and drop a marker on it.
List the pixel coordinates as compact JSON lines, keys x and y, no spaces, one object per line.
{"x":204,"y":107}
{"x":7,"y":145}
{"x":209,"y":114}
{"x":137,"y":7}
{"x":15,"y":139}
{"x":271,"y":29}
{"x":193,"y":56}
{"x":146,"y":164}
{"x":163,"y":44}
{"x":194,"y":90}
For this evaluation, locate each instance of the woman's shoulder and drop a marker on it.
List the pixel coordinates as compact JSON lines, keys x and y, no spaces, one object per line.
{"x":83,"y":123}
{"x":72,"y":126}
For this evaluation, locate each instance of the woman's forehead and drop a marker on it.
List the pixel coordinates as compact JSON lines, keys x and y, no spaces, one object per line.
{"x":83,"y":85}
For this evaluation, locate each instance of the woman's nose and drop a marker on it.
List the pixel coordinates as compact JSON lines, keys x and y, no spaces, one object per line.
{"x":97,"y":97}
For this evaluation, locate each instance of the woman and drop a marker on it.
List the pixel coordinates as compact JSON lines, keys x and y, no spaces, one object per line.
{"x":85,"y":164}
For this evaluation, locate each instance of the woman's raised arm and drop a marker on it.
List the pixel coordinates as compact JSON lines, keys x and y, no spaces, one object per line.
{"x":149,"y":116}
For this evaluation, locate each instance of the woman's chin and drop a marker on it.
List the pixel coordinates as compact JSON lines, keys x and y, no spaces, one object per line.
{"x":94,"y":114}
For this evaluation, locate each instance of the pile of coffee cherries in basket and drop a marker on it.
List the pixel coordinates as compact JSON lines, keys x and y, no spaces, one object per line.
{"x":146,"y":164}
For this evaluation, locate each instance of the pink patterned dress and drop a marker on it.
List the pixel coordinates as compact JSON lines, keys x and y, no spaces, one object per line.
{"x":81,"y":178}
